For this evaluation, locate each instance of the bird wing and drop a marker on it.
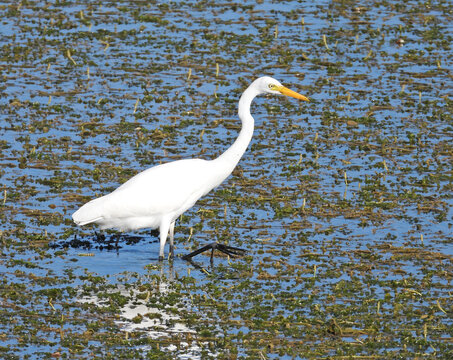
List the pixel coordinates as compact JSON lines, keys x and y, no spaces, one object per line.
{"x":167,"y":189}
{"x":161,"y":189}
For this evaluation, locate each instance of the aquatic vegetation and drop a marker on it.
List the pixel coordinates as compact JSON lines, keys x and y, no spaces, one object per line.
{"x":344,"y":204}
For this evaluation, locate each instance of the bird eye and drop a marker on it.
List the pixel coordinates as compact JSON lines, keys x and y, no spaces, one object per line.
{"x":271,"y":86}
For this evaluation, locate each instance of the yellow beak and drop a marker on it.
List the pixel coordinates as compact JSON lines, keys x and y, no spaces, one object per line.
{"x":288,"y":92}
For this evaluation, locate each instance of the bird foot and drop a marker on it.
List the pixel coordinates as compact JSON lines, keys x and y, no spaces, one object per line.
{"x":228,"y":250}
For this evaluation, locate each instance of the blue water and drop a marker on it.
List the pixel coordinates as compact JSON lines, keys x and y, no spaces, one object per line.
{"x":66,"y":137}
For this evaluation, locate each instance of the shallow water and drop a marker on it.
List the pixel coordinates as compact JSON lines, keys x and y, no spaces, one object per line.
{"x":345,"y":203}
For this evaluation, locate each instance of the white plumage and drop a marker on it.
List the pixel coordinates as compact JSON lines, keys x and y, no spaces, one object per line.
{"x":156,"y":197}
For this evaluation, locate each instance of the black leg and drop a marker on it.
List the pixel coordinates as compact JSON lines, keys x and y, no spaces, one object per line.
{"x":228,"y":250}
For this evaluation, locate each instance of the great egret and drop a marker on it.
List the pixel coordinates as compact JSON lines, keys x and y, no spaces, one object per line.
{"x":156,"y":197}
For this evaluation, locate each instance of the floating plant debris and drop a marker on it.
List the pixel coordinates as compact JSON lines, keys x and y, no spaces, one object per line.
{"x":345,"y":203}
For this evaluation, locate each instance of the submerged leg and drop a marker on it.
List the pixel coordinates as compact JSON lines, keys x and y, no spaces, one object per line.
{"x":163,"y":228}
{"x":172,"y":245}
{"x":228,"y":250}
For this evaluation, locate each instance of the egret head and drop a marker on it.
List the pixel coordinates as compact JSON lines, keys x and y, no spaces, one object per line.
{"x":269,"y":85}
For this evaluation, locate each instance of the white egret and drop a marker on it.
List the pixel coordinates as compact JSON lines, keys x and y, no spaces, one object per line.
{"x":156,"y":197}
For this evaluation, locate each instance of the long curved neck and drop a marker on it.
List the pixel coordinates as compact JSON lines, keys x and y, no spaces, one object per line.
{"x":231,"y":157}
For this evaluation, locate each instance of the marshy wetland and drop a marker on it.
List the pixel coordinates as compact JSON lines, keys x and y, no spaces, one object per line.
{"x":344,"y":203}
